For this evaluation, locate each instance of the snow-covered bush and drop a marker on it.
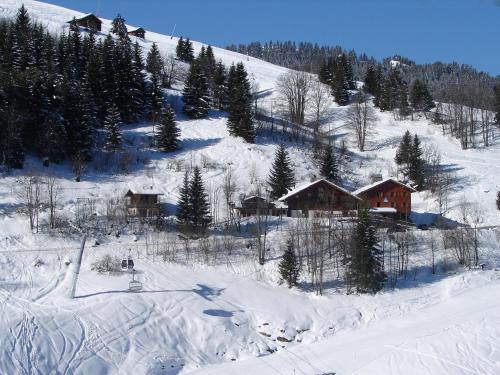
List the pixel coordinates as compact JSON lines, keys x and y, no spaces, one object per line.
{"x":106,"y":264}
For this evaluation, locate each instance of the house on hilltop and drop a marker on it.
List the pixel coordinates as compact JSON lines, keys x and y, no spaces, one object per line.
{"x":388,"y":197}
{"x":138,"y":32}
{"x":320,"y":198}
{"x":89,"y":21}
{"x":143,"y":203}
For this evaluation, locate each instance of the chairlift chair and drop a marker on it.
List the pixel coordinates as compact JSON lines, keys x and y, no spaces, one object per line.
{"x":134,"y":285}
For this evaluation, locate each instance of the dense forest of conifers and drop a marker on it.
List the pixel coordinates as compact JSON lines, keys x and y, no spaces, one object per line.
{"x":58,"y":92}
{"x":447,"y":82}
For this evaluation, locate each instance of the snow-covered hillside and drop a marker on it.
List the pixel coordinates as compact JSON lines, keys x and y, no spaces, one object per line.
{"x":204,"y":318}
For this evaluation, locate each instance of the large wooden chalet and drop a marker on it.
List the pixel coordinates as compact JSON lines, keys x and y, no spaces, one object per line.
{"x":387,"y":197}
{"x":138,"y":32}
{"x":254,"y":205}
{"x":320,"y":198}
{"x":89,"y":21}
{"x":143,"y":203}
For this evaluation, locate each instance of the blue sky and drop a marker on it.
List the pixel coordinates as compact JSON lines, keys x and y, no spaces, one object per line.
{"x":467,"y":31}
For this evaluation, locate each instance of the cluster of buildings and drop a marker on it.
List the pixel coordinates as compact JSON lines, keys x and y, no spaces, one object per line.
{"x":92,"y":22}
{"x":321,"y":198}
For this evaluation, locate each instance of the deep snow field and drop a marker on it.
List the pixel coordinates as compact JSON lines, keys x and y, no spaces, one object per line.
{"x":226,"y":318}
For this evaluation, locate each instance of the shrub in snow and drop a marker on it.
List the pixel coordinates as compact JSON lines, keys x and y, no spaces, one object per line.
{"x":106,"y":264}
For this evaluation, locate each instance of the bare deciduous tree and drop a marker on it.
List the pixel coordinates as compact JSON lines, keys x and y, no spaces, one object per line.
{"x":29,"y":195}
{"x":261,"y":217}
{"x":320,"y":96}
{"x":229,"y":189}
{"x":171,"y":70}
{"x":360,"y":118}
{"x":294,"y":88}
{"x":53,"y":190}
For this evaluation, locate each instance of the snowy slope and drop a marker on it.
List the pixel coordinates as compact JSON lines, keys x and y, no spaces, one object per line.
{"x":191,"y":317}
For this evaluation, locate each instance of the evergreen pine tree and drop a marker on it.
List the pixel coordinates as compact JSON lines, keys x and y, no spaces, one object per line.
{"x":155,"y":99}
{"x":416,"y":171}
{"x":210,"y":57}
{"x":120,"y":29}
{"x":198,"y":202}
{"x":219,"y":86}
{"x":124,"y":71}
{"x":326,"y":71}
{"x":420,"y":97}
{"x":240,"y":122}
{"x":22,"y":43}
{"x":179,"y":50}
{"x":112,"y":127}
{"x":365,"y":271}
{"x":107,"y":76}
{"x":138,"y":90}
{"x":393,"y":92}
{"x":11,"y":146}
{"x":188,"y":51}
{"x":371,"y":81}
{"x":153,"y":61}
{"x":13,"y":154}
{"x":195,"y":94}
{"x":339,"y":83}
{"x":168,"y":137}
{"x":183,"y":206}
{"x":349,"y":75}
{"x":281,"y":177}
{"x":329,"y":168}
{"x":498,"y":200}
{"x":404,"y":150}
{"x":289,"y":265}
{"x":73,"y":26}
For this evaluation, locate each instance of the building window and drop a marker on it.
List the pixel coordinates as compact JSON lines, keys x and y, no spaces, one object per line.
{"x":404,"y":204}
{"x":378,"y":204}
{"x":392,"y":204}
{"x":404,"y":193}
{"x":392,"y":194}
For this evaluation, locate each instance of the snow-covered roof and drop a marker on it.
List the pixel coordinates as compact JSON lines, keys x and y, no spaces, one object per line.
{"x":252,"y":197}
{"x":85,"y":16}
{"x":383,"y":210}
{"x":143,"y":191}
{"x":375,"y":184}
{"x":309,"y":184}
{"x":135,"y":29}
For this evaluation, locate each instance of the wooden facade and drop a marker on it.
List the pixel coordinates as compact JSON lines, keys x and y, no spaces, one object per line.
{"x":320,"y":198}
{"x":388,"y":193}
{"x":143,"y":204}
{"x":139,"y":33}
{"x":254,"y":205}
{"x":90,"y":21}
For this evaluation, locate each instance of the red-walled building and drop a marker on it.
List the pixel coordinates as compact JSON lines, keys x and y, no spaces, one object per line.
{"x":387,"y":194}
